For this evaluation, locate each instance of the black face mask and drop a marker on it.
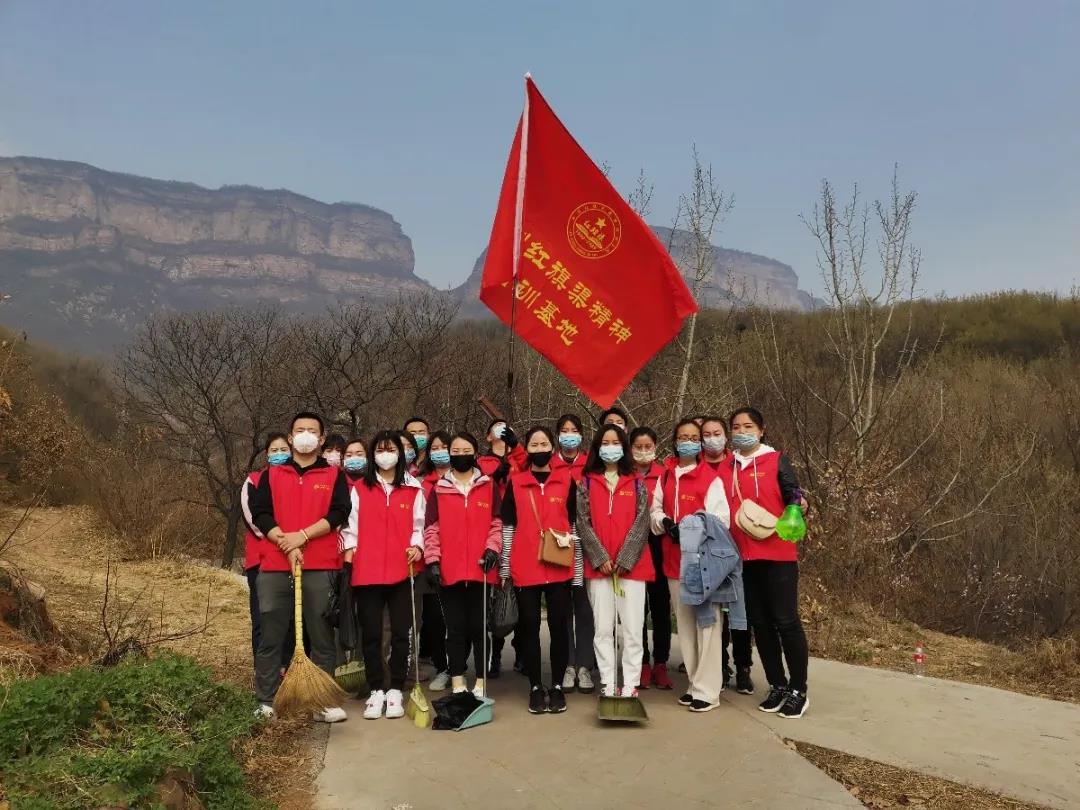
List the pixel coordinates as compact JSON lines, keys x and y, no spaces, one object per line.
{"x":541,"y":459}
{"x":463,"y":463}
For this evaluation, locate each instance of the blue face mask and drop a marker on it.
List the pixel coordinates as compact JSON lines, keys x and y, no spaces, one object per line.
{"x":278,"y":458}
{"x":687,"y":449}
{"x":745,"y":441}
{"x":611,"y":453}
{"x":356,"y":464}
{"x":570,"y":441}
{"x":440,"y":458}
{"x":410,"y":455}
{"x":421,"y":442}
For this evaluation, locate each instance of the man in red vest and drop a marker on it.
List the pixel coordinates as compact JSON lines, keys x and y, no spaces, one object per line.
{"x":300,"y":507}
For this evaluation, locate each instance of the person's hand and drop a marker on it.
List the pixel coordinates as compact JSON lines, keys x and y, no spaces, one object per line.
{"x":434,"y":574}
{"x":489,"y":560}
{"x":803,"y":504}
{"x":607,"y":568}
{"x":620,"y":571}
{"x":296,"y":558}
{"x":509,"y":438}
{"x":292,"y":540}
{"x":347,"y":557}
{"x":412,"y":554}
{"x":671,"y":528}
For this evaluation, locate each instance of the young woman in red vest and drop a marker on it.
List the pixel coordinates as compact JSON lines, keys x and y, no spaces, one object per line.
{"x":686,"y":486}
{"x":462,"y":540}
{"x":548,"y":494}
{"x":300,"y":507}
{"x":355,"y":460}
{"x":759,"y":473}
{"x":389,"y":537}
{"x":613,"y":522}
{"x":581,"y":659}
{"x":437,"y":461}
{"x":277,"y":452}
{"x":643,"y":444}
{"x":436,"y":465}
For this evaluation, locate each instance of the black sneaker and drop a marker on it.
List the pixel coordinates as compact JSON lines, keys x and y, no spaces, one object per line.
{"x":743,"y":683}
{"x":537,"y":701}
{"x":495,"y":670}
{"x":795,"y":706}
{"x":702,"y":706}
{"x":774,"y":700}
{"x":556,"y":700}
{"x":686,"y":699}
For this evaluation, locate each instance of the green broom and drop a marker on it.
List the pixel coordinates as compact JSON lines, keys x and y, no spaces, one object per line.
{"x":417,"y":708}
{"x":305,"y":687}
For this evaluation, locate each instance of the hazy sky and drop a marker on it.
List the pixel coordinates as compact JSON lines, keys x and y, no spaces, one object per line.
{"x":411,"y":106}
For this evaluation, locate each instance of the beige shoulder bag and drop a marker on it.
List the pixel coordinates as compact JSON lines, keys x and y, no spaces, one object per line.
{"x":752,"y":517}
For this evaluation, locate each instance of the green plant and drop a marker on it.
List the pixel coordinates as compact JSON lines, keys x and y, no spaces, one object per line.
{"x":99,"y":736}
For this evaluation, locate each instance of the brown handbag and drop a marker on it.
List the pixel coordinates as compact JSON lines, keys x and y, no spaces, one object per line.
{"x":555,"y":548}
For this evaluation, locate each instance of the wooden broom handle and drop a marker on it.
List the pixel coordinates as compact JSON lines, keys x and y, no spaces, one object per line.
{"x":491,"y":409}
{"x":298,"y":607}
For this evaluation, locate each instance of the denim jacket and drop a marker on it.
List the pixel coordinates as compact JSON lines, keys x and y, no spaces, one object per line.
{"x":711,"y":570}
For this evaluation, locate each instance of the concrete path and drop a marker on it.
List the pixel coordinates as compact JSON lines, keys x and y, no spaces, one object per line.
{"x":1021,"y":746}
{"x":725,"y":758}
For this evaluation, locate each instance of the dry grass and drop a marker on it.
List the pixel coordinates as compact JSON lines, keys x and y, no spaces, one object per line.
{"x":66,"y":549}
{"x":856,"y":634}
{"x":880,"y":786}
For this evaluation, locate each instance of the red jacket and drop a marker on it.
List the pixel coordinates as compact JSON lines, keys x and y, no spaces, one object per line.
{"x":525,"y":568}
{"x":682,"y":497}
{"x":384,"y":531}
{"x":612,"y":515}
{"x":428,"y":482}
{"x":460,"y":527}
{"x":252,"y":541}
{"x":576,"y":467}
{"x":758,"y":482}
{"x":300,"y":501}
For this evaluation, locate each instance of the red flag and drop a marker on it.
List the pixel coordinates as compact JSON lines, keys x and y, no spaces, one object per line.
{"x":596,"y":292}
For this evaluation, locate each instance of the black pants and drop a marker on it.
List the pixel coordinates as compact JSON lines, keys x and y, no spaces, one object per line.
{"x":370,"y":602}
{"x":433,"y":631}
{"x":557,"y":595}
{"x":463,"y":609}
{"x":256,"y":623}
{"x":772,"y":598}
{"x":740,"y":648}
{"x":658,"y":603}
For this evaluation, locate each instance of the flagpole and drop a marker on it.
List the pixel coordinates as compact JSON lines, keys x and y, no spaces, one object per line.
{"x":519,"y":205}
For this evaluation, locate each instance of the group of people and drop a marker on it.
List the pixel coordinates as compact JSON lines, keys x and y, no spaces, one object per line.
{"x":605,"y":536}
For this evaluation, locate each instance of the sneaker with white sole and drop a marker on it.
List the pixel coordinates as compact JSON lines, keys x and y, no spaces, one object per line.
{"x":607,"y":691}
{"x":795,"y":706}
{"x":629,"y":691}
{"x":440,"y":681}
{"x":585,"y":683}
{"x":373,"y":709}
{"x":702,"y":706}
{"x":395,"y":706}
{"x":569,"y":679}
{"x":774,"y":700}
{"x":265,"y":712}
{"x":333,"y":715}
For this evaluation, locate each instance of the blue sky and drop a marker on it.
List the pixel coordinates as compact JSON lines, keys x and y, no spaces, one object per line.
{"x":410,"y":106}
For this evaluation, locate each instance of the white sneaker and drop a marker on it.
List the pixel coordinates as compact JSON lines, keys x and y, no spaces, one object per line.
{"x":373,"y":709}
{"x":478,"y":689}
{"x":629,"y":691}
{"x":585,"y":681}
{"x":569,"y":679}
{"x":335,"y":714}
{"x":607,"y":691}
{"x":394,"y":704}
{"x":440,"y":682}
{"x":265,"y":712}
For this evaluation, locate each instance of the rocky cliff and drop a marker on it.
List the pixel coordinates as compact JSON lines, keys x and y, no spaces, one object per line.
{"x":736,"y":278}
{"x":87,"y":254}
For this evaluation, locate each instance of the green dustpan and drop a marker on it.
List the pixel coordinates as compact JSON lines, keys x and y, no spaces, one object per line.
{"x":620,"y":709}
{"x":351,"y":677}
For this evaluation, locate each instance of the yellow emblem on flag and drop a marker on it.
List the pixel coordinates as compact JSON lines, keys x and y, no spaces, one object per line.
{"x":593,"y":230}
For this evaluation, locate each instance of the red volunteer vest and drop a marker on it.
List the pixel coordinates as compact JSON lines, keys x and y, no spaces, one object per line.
{"x":464,"y":525}
{"x":691,"y":490}
{"x":576,"y":467}
{"x":612,"y":515}
{"x":525,"y":568}
{"x":758,"y":482}
{"x":252,"y":542}
{"x":299,"y":501}
{"x":383,"y":534}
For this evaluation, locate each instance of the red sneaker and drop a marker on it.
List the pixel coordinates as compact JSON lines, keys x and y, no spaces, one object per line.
{"x":646,"y":677}
{"x":660,"y":677}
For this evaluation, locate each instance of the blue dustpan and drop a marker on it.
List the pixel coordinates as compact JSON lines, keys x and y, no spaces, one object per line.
{"x":484,"y":713}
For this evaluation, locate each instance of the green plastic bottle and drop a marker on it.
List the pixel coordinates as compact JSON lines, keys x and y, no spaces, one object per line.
{"x":791,"y":526}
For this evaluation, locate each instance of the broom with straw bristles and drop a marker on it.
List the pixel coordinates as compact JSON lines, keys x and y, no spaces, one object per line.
{"x":305,"y":687}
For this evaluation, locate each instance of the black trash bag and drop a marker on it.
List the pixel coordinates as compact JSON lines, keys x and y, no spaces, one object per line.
{"x":504,"y":611}
{"x":453,"y":710}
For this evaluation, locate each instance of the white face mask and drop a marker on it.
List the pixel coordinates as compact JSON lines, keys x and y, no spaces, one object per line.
{"x":333,"y":458}
{"x":644,"y":456}
{"x":305,"y":442}
{"x":386,"y":460}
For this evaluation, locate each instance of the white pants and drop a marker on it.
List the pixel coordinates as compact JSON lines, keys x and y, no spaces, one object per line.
{"x":630,"y":610}
{"x":702,"y":648}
